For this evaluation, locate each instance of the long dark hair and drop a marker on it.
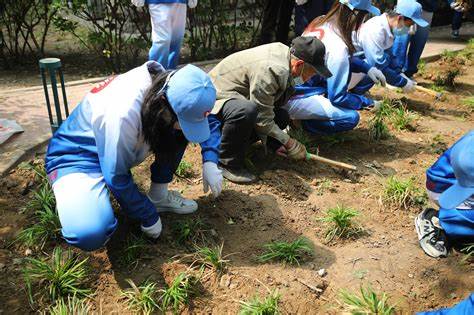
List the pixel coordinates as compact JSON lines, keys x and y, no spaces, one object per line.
{"x":158,"y":119}
{"x":345,"y":20}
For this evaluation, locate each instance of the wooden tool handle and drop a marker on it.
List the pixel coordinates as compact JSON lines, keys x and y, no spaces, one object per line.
{"x":427,"y":91}
{"x":318,"y":158}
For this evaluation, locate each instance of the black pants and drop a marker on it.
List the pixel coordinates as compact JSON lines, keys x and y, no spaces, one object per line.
{"x":276,"y":18}
{"x":238,"y":118}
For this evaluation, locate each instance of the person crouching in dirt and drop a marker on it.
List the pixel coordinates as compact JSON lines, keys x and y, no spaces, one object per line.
{"x":251,"y":86}
{"x":325,"y":105}
{"x":375,"y":40}
{"x":450,"y":184}
{"x":115,"y":127}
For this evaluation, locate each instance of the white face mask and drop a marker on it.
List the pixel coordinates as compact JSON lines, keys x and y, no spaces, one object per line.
{"x":299,"y":79}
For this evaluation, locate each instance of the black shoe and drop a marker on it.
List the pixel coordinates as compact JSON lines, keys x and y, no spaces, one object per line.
{"x":238,"y":176}
{"x":431,"y":235}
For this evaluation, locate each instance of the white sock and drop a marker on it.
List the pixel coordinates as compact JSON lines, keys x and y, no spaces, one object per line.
{"x":158,"y":191}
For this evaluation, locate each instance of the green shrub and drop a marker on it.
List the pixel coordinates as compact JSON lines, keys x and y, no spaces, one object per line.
{"x":141,"y":299}
{"x":257,"y":306}
{"x":340,"y":221}
{"x":368,"y":302}
{"x":179,"y":292}
{"x":403,"y":194}
{"x":288,"y":253}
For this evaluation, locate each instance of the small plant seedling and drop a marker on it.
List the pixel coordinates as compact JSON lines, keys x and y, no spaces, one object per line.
{"x":211,"y":258}
{"x":438,"y":144}
{"x":447,"y":78}
{"x":132,"y":249}
{"x":468,"y":251}
{"x":437,"y":88}
{"x":403,"y":193}
{"x":448,"y":55}
{"x":469,"y":103}
{"x":378,"y":129}
{"x":257,"y":306}
{"x":323,"y":186}
{"x":190,"y":231}
{"x":340,"y":223}
{"x":63,"y":275}
{"x":302,"y":136}
{"x":368,"y":302}
{"x":73,"y":305}
{"x":402,"y":118}
{"x":141,"y":299}
{"x":43,"y":197}
{"x":421,"y":67}
{"x":179,"y":292}
{"x":185,"y":169}
{"x":288,"y":253}
{"x":46,"y":227}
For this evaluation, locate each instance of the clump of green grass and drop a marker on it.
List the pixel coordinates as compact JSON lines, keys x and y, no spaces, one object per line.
{"x":402,"y":118}
{"x":211,"y":257}
{"x":141,"y":299}
{"x":258,"y":306}
{"x":190,"y":231}
{"x":368,"y":302}
{"x":185,"y":169}
{"x":421,"y":67}
{"x":179,"y":292}
{"x":468,"y":251}
{"x":288,"y":253}
{"x":403,"y":193}
{"x":469,"y":103}
{"x":378,"y":129}
{"x":437,"y":88}
{"x":447,"y":78}
{"x":73,"y":305}
{"x":340,"y":221}
{"x":448,"y":55}
{"x":132,"y":249}
{"x":60,"y":276}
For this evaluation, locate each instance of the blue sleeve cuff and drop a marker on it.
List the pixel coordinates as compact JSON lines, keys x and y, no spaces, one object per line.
{"x":152,"y":219}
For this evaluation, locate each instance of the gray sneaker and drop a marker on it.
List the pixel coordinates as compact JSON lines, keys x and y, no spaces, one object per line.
{"x":431,"y":235}
{"x":238,"y":176}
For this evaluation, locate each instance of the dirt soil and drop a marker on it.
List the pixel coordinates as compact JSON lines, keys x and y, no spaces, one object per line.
{"x":283,"y":205}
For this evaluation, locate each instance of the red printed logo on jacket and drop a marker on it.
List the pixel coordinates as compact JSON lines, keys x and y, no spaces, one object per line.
{"x":102,"y":85}
{"x":316,"y":32}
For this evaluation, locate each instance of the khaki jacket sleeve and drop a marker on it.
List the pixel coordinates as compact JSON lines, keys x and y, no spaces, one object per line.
{"x":264,"y":86}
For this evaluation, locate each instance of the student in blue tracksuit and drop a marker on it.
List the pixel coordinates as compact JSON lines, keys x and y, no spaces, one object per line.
{"x":407,"y":62}
{"x":115,"y":127}
{"x":375,"y":39}
{"x":459,"y":7}
{"x":450,"y":184}
{"x":326,"y":106}
{"x":168,"y":23}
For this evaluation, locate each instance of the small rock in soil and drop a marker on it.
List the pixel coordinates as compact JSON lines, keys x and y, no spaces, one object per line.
{"x":28,"y":252}
{"x":322,"y":272}
{"x":2,"y":266}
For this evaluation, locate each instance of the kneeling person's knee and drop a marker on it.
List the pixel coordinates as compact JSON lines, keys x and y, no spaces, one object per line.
{"x":90,"y":235}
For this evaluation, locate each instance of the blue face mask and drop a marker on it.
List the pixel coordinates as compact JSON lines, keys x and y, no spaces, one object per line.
{"x":299,"y":79}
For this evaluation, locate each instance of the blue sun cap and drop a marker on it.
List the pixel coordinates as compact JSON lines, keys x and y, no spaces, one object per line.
{"x":364,"y":5}
{"x":412,"y":10}
{"x":192,"y":95}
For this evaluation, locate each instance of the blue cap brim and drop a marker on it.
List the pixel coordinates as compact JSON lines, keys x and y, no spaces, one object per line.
{"x":420,"y":22}
{"x":374,"y":10}
{"x":196,"y":132}
{"x":454,"y":196}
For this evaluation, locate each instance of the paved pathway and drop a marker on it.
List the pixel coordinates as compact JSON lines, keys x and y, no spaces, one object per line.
{"x":27,"y":106}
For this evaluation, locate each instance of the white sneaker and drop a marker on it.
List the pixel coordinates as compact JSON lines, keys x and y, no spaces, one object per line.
{"x":174,"y":202}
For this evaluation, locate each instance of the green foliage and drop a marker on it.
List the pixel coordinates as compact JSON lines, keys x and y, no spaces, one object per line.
{"x":468,"y":251}
{"x":132,"y":249}
{"x":402,"y":118}
{"x":448,"y":55}
{"x":302,"y":136}
{"x":447,"y":77}
{"x":368,"y":302}
{"x":403,"y":194}
{"x":72,"y":306}
{"x":437,"y":88}
{"x":340,"y":223}
{"x":60,"y":276}
{"x":438,"y":145}
{"x":469,"y":103}
{"x":288,"y":253}
{"x":141,"y":299}
{"x":421,"y":67}
{"x":179,"y":292}
{"x":257,"y":306}
{"x":211,"y":257}
{"x":190,"y":231}
{"x":185,"y":169}
{"x":378,"y":129}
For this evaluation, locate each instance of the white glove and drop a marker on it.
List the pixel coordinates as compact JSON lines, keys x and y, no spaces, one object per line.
{"x":457,"y":7}
{"x":377,"y":105}
{"x":409,"y":87}
{"x":192,"y":3}
{"x":153,"y":231}
{"x":212,"y":178}
{"x":377,"y":76}
{"x":301,"y":2}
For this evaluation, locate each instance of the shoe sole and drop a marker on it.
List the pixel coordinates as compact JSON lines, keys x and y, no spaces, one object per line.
{"x":161,"y":210}
{"x":420,"y":236}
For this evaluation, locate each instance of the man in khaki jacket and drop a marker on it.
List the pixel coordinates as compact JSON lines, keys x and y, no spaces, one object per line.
{"x":251,"y":86}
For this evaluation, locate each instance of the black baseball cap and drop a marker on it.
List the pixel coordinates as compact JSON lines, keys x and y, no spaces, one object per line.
{"x":312,"y":51}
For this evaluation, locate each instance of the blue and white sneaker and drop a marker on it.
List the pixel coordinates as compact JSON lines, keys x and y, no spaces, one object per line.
{"x":431,"y":235}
